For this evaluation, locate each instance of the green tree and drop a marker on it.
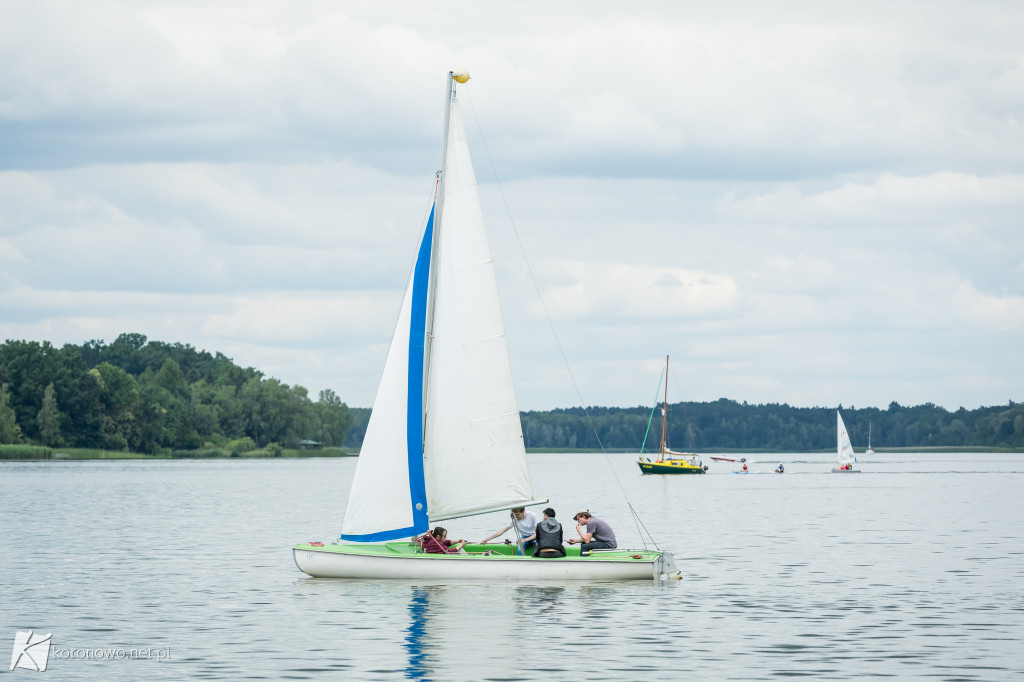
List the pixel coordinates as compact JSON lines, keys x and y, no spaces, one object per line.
{"x":48,"y":418}
{"x":333,"y":416}
{"x":172,"y":379}
{"x":27,"y":367}
{"x":119,"y":396}
{"x":9,"y":431}
{"x":151,"y":432}
{"x":252,"y":408}
{"x":124,"y":352}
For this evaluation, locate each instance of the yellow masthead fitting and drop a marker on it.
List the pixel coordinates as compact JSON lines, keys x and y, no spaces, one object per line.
{"x":460,"y":76}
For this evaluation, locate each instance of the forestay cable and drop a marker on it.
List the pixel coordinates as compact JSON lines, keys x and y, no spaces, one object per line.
{"x":641,"y":529}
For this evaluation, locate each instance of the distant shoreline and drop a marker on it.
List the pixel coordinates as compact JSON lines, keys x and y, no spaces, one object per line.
{"x":36,"y":453}
{"x":766,"y":451}
{"x":21,"y":453}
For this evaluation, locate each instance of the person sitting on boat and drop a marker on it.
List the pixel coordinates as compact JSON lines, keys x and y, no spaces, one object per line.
{"x":437,"y":542}
{"x":780,"y":469}
{"x":599,"y":534}
{"x":525,"y":521}
{"x":744,"y":467}
{"x":549,"y":537}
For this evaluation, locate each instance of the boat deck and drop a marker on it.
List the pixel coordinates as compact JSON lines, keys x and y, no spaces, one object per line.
{"x":498,"y":551}
{"x":403,"y":560}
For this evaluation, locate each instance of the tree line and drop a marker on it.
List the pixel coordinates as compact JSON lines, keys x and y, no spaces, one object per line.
{"x":150,"y":396}
{"x":729,"y":425}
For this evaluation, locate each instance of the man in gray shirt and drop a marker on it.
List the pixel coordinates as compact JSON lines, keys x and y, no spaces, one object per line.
{"x":599,"y":534}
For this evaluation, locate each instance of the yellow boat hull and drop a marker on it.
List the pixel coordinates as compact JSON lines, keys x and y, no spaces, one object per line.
{"x":669,"y":467}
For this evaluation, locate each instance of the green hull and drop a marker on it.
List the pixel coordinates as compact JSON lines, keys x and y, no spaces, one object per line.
{"x":402,"y":560}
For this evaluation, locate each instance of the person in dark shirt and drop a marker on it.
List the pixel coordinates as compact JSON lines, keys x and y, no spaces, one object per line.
{"x":549,"y":537}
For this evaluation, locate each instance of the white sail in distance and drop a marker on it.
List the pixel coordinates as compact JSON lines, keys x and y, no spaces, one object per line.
{"x":844,"y":449}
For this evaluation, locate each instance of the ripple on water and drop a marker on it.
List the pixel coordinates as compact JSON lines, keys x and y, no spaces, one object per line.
{"x":913,"y":585}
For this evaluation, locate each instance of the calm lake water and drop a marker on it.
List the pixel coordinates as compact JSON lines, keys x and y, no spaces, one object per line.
{"x":913,"y":569}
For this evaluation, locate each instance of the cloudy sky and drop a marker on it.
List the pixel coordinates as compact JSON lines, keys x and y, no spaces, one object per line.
{"x":802,"y":202}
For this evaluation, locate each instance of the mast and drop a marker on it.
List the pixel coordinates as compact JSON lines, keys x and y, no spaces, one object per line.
{"x":450,"y":79}
{"x":664,"y":411}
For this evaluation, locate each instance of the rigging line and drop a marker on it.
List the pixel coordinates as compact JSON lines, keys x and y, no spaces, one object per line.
{"x":433,"y":195}
{"x":651,"y":418}
{"x":653,"y":541}
{"x":686,"y":417}
{"x":547,"y":315}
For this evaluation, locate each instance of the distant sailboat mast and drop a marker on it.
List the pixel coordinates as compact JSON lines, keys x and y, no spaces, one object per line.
{"x":664,"y":412}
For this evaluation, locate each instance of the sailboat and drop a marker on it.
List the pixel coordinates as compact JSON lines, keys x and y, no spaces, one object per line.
{"x":670,"y":462}
{"x":444,"y":438}
{"x":870,"y":450}
{"x":844,"y":450}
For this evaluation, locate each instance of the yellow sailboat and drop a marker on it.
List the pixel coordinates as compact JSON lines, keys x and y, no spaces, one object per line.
{"x":669,"y":461}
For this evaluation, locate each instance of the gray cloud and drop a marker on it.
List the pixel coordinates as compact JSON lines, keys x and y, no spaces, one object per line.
{"x":803,"y":203}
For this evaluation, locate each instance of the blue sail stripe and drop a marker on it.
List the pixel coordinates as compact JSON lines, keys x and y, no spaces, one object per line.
{"x":414,"y":412}
{"x":385,"y":535}
{"x":414,"y":403}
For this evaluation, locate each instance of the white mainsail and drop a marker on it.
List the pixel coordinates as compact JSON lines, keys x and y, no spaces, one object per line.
{"x":474,"y":459}
{"x":444,"y":438}
{"x":843,"y":447}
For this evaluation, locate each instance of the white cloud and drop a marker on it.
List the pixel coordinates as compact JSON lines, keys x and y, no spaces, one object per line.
{"x":673,"y":90}
{"x":813,"y":204}
{"x":624,"y":292}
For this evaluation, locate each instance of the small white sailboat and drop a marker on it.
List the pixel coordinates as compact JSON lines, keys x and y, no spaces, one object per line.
{"x":845,"y":456}
{"x":870,"y":450}
{"x":445,"y":438}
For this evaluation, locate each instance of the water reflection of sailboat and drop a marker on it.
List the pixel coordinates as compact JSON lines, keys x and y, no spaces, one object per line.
{"x":419,"y":604}
{"x":542,"y":599}
{"x":443,"y":619}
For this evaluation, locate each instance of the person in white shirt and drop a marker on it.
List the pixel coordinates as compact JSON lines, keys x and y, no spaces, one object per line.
{"x":525,"y":521}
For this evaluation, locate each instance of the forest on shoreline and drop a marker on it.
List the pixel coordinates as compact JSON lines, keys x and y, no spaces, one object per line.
{"x":159,"y":399}
{"x":726,"y":425}
{"x":155,"y":398}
